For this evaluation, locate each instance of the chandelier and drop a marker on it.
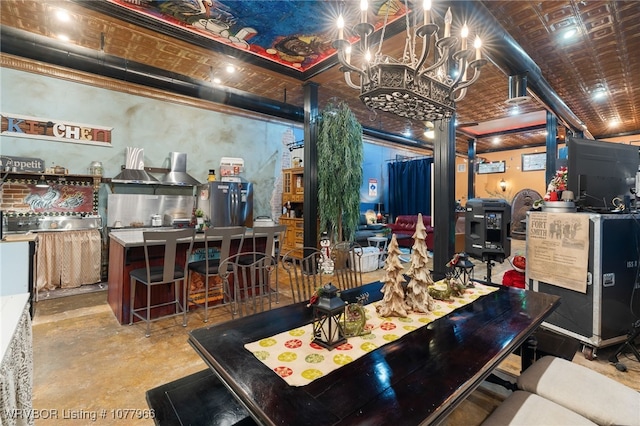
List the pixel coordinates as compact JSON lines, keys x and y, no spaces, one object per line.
{"x":417,"y":86}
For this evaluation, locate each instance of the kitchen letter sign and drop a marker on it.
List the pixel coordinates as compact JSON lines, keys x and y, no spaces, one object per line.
{"x":23,"y":126}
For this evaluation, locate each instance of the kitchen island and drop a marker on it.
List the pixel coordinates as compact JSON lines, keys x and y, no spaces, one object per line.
{"x":126,"y":253}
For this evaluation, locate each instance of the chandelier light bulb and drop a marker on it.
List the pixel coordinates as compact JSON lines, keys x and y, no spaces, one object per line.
{"x":364,"y":6}
{"x":367,"y":56}
{"x":426,"y":6}
{"x":464,"y":33}
{"x":477,"y":44}
{"x":340,"y":27}
{"x":448,"y":18}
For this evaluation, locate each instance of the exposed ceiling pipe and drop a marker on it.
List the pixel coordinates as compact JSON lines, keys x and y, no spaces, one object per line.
{"x":518,"y":89}
{"x":396,"y":139}
{"x":513,"y":60}
{"x":40,"y":48}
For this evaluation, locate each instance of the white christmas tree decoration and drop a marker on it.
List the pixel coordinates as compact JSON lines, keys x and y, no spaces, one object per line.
{"x":393,"y":303}
{"x":418,"y":297}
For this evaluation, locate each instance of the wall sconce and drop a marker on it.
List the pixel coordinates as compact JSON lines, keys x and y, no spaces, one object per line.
{"x":503,"y":185}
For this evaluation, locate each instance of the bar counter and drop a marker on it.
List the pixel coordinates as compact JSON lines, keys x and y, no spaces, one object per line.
{"x":126,"y":253}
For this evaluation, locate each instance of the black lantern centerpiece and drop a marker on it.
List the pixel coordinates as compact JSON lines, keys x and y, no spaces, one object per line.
{"x":328,"y":318}
{"x":462,"y":269}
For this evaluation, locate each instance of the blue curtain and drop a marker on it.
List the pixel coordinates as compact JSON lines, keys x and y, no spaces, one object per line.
{"x":410,"y":187}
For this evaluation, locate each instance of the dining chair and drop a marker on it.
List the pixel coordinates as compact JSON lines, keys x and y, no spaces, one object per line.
{"x":273,"y":236}
{"x":218,"y":239}
{"x":163,"y":245}
{"x":305,"y":273}
{"x":250,"y":282}
{"x":347,"y":264}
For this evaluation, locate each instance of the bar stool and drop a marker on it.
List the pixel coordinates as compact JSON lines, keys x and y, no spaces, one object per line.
{"x":272,"y":234}
{"x":208,"y":268}
{"x":169,"y":272}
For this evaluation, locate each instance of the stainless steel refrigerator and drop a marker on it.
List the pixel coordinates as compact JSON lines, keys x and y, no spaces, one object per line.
{"x":227,"y":203}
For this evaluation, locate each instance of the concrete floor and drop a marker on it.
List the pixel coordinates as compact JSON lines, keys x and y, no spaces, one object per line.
{"x":86,"y":363}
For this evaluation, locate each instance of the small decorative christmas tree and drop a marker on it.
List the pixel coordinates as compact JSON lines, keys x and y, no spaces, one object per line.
{"x":418,"y":297}
{"x":393,"y":304}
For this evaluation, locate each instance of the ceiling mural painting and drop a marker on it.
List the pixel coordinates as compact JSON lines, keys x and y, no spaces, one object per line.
{"x":290,"y":33}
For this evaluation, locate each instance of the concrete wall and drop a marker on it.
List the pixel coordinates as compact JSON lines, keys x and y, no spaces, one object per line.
{"x":157,"y":126}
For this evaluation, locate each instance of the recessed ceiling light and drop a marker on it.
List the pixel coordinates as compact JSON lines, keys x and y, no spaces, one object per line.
{"x":63,"y":15}
{"x":599,"y":94}
{"x":515,"y":110}
{"x":570,"y":33}
{"x":496,"y":141}
{"x":614,"y":123}
{"x":230,"y":69}
{"x":63,"y":37}
{"x":216,"y":80}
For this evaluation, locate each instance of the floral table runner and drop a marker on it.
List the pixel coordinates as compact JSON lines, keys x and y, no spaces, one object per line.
{"x":298,"y":361}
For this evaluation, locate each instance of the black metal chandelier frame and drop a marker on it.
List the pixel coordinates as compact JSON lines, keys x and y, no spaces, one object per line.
{"x":408,"y":87}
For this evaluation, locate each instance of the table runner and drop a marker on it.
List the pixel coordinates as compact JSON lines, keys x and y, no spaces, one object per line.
{"x":298,"y":361}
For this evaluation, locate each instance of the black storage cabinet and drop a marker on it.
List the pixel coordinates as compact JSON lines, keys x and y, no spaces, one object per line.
{"x":604,"y":315}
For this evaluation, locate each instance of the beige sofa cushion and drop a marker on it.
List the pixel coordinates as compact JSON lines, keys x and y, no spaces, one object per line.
{"x":591,"y":394}
{"x":524,"y":409}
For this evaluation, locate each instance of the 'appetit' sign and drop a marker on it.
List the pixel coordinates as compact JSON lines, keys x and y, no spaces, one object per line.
{"x":21,"y":164}
{"x":55,"y":130}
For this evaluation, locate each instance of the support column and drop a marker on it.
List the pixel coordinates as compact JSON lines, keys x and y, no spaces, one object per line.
{"x":310,"y":181}
{"x":444,"y":160}
{"x":552,"y":146}
{"x":471,"y":171}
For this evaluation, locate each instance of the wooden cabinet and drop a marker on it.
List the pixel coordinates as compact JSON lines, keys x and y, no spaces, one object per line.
{"x":294,"y":237}
{"x":293,"y":199}
{"x":293,"y":186}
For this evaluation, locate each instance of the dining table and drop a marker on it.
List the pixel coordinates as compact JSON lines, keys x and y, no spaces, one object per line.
{"x":419,"y":378}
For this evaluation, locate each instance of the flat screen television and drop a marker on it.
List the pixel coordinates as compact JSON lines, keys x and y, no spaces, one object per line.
{"x":599,"y":171}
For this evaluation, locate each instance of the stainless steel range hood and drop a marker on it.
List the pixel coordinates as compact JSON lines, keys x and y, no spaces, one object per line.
{"x":178,"y":174}
{"x":134,"y":171}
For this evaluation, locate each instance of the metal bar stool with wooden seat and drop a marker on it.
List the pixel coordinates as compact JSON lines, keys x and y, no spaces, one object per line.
{"x":168,"y":273}
{"x":220,"y":238}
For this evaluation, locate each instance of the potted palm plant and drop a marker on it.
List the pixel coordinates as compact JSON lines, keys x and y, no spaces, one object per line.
{"x":340,"y":154}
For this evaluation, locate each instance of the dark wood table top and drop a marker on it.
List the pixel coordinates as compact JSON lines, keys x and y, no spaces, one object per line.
{"x":419,"y":378}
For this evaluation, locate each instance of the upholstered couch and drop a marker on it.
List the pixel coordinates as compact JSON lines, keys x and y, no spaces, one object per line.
{"x":405,"y":226}
{"x":366,"y":230}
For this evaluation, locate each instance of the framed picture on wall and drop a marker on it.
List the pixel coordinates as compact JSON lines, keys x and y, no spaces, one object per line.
{"x":531,"y":162}
{"x":492,"y":167}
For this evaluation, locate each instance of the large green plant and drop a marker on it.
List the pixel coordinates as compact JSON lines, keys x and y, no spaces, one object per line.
{"x":339,"y":171}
